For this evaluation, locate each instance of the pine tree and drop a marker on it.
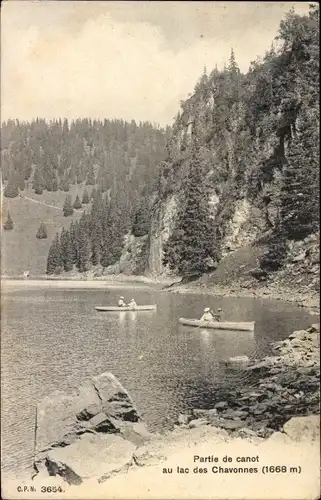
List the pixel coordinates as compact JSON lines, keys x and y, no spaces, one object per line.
{"x":83,"y":246}
{"x":8,"y":225}
{"x":38,"y":182}
{"x":42,"y":231}
{"x":141,"y":223}
{"x":73,"y":242}
{"x":67,"y":208}
{"x":77,"y":203}
{"x":54,"y":261}
{"x":299,"y":193}
{"x":85,"y":197}
{"x":274,"y":257}
{"x":66,"y":250}
{"x":64,"y":183}
{"x":90,"y":176}
{"x":190,"y":248}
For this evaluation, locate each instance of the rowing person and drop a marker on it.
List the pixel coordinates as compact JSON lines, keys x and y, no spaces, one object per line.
{"x":121,"y":302}
{"x":132,"y":304}
{"x":218,"y":314}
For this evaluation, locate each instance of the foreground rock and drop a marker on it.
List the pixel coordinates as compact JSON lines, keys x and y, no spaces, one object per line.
{"x":89,"y":434}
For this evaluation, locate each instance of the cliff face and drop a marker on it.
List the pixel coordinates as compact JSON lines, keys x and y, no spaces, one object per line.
{"x":256,"y":138}
{"x":161,"y":227}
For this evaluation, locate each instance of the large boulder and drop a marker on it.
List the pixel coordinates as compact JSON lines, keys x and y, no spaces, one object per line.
{"x":99,"y":416}
{"x":303,"y":428}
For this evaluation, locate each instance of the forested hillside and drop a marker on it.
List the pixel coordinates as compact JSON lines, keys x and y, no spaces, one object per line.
{"x":237,"y":171}
{"x":48,"y":164}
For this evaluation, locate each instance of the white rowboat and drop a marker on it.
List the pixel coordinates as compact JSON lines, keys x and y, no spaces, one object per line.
{"x":126,"y":308}
{"x":220,"y":325}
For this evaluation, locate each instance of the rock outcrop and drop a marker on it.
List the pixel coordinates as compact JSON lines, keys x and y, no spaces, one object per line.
{"x":284,"y":386}
{"x":89,"y":434}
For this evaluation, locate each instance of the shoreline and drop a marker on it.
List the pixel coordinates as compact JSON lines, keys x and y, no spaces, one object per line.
{"x":307,"y":300}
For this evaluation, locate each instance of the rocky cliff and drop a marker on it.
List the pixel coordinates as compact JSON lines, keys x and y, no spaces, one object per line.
{"x":255,"y":138}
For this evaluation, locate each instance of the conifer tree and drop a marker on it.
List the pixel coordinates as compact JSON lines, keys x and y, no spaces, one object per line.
{"x":38,"y":182}
{"x":66,"y":250}
{"x":141,"y":223}
{"x":83,"y":246}
{"x":54,"y":261}
{"x":190,"y":248}
{"x":73,"y":242}
{"x":90,"y":176}
{"x":77,"y":203}
{"x":85,"y":197}
{"x":8,"y":225}
{"x":299,"y":194}
{"x":42,"y":231}
{"x":276,"y":252}
{"x":67,"y":208}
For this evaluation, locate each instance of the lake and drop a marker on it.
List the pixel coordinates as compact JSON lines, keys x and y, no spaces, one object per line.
{"x":52,"y":339}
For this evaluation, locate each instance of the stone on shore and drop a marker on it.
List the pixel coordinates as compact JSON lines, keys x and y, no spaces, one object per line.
{"x":238,"y":361}
{"x":98,"y":424}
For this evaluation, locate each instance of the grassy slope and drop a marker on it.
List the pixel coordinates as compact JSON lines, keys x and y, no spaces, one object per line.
{"x":20,"y":249}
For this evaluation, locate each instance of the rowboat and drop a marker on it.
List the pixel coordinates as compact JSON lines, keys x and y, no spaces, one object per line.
{"x":126,"y":308}
{"x":219,"y":325}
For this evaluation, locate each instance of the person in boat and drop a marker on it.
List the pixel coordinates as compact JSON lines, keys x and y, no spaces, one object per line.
{"x":217,"y":315}
{"x":210,"y":315}
{"x":132,"y":304}
{"x":207,"y":316}
{"x":121,"y":302}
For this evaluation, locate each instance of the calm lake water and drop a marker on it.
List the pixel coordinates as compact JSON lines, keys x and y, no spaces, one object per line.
{"x":52,"y":339}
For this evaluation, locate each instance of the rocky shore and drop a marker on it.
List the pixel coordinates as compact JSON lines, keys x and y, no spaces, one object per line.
{"x":97,"y":435}
{"x":285,"y":385}
{"x":303,"y":298}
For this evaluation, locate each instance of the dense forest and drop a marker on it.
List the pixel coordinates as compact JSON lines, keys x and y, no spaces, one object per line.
{"x":117,"y":161}
{"x":252,"y":137}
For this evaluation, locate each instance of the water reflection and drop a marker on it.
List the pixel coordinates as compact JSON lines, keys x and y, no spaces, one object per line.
{"x":122,"y":318}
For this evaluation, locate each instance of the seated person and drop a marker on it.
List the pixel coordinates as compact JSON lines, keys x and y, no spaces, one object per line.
{"x":132,"y":303}
{"x":217,"y":316}
{"x":207,"y":316}
{"x":121,"y":302}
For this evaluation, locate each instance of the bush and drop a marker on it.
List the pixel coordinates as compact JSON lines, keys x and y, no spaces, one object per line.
{"x":11,"y":190}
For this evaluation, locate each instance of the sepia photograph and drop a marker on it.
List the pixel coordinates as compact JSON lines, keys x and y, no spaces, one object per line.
{"x":160,"y":250}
